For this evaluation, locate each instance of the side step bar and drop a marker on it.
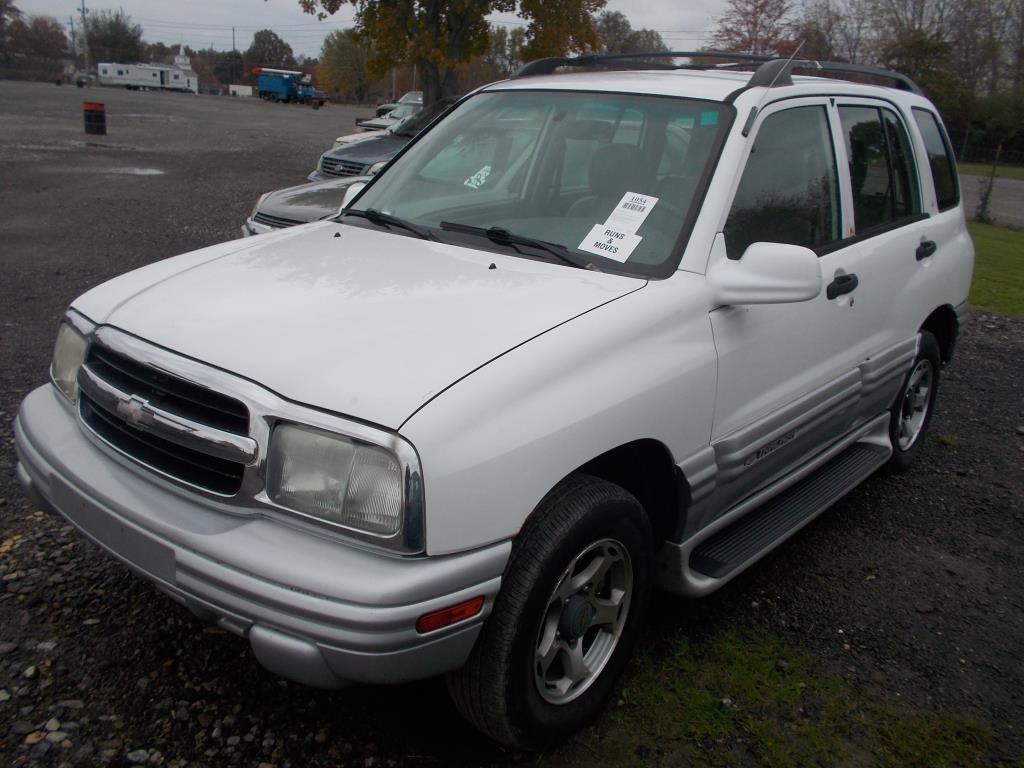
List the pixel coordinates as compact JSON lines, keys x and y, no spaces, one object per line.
{"x":739,"y":537}
{"x":778,"y":519}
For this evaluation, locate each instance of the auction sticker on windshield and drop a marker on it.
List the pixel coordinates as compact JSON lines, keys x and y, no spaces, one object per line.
{"x":631,"y":212}
{"x":610,"y":242}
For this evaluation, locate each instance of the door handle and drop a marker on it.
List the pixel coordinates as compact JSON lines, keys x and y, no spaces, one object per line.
{"x":926,"y":249}
{"x":842,"y":284}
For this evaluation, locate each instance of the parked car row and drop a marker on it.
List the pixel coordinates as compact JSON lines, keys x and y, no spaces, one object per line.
{"x":354,"y":157}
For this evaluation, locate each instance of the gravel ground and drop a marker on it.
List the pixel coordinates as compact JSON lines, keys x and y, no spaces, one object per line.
{"x":910,"y":587}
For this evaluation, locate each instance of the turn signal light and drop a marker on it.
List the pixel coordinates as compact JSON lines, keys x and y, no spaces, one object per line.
{"x":428,"y":622}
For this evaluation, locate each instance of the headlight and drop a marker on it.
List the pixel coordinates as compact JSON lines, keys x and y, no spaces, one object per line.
{"x":256,"y":208}
{"x":68,"y":356}
{"x":358,"y":486}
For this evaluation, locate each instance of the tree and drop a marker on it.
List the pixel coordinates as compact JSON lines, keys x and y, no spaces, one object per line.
{"x":441,"y":37}
{"x":228,"y":67}
{"x":343,"y":60}
{"x":616,"y":35}
{"x":269,"y":50}
{"x":9,"y":15}
{"x":38,"y":47}
{"x":613,"y":31}
{"x":753,"y":26}
{"x":112,"y":36}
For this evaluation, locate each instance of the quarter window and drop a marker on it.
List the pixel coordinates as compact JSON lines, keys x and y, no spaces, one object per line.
{"x":940,"y":158}
{"x":789,"y":191}
{"x":882,"y":172}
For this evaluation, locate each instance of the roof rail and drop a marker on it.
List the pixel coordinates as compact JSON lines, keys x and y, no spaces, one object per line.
{"x":772,"y":70}
{"x":634,"y":61}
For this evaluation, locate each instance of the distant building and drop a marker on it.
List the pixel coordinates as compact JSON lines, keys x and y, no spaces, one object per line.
{"x":176,"y":77}
{"x":240,"y":90}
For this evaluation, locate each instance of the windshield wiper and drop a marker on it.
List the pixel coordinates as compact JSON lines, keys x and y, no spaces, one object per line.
{"x":386,"y":219}
{"x":502,"y":236}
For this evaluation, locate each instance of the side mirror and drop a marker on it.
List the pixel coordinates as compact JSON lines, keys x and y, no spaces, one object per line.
{"x":351,"y":193}
{"x":766,"y":273}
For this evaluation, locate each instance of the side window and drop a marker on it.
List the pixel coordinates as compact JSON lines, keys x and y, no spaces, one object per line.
{"x":882,"y":171}
{"x":940,"y":158}
{"x":789,"y":191}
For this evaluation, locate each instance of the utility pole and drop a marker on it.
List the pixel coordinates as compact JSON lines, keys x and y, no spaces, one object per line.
{"x":234,"y":52}
{"x":74,"y":45}
{"x":85,"y":40}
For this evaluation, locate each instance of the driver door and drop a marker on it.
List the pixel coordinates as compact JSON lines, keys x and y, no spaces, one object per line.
{"x":788,"y":381}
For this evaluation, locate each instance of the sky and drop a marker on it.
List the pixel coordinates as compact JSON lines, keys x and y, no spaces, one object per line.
{"x":204,"y":23}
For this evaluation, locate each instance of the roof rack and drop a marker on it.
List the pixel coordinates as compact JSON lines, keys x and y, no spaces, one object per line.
{"x":771,"y":70}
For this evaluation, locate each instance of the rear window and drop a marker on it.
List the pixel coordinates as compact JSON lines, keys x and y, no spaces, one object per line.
{"x":940,"y":157}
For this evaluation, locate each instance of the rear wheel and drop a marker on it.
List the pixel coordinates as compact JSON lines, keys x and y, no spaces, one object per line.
{"x":566,"y":619}
{"x":912,"y":412}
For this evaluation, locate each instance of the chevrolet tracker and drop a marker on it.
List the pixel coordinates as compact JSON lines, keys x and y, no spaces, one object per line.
{"x":595,"y":331}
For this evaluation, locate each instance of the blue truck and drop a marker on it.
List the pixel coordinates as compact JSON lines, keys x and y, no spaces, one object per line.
{"x":287,"y":85}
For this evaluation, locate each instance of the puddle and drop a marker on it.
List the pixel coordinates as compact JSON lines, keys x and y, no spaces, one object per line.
{"x":134,"y":171}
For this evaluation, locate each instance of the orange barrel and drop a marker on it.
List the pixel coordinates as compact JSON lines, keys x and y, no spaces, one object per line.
{"x":95,"y":117}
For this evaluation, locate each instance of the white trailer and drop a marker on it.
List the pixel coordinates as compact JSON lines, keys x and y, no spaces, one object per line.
{"x":135,"y":76}
{"x":176,"y":77}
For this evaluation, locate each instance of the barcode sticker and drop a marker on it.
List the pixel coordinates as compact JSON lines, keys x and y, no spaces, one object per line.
{"x":631,"y":211}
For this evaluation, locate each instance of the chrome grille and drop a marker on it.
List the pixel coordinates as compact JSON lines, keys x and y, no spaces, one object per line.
{"x":174,"y":426}
{"x":277,"y":222}
{"x":333,"y":166}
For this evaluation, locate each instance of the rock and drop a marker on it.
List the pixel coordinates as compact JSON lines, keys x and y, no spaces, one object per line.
{"x":6,"y":648}
{"x":138,"y":756}
{"x":90,"y":622}
{"x":71,"y":704}
{"x":232,"y":741}
{"x":1020,"y":430}
{"x":39,"y":750}
{"x":20,"y":728}
{"x":35,"y":737}
{"x":30,"y":672}
{"x":4,"y":696}
{"x":46,"y":646}
{"x":53,"y":724}
{"x":56,"y":737}
{"x":83,"y":753}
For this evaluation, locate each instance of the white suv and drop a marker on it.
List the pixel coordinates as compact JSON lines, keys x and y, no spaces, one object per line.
{"x":593,"y":332}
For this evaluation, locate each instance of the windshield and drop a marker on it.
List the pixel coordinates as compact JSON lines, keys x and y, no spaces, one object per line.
{"x":413,"y":124}
{"x":612,"y":177}
{"x":402,"y":110}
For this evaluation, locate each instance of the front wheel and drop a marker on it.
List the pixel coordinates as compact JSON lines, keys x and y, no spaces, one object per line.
{"x":566,"y":620}
{"x":911,"y":414}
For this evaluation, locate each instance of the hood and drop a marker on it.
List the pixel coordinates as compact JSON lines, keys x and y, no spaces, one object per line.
{"x":353,"y":320}
{"x":352,"y":138}
{"x":309,"y":202}
{"x":382,"y":146}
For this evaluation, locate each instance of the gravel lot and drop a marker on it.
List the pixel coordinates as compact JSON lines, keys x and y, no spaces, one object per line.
{"x":911,"y":587}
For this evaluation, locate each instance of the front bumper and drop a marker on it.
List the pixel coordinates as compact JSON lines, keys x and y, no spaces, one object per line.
{"x":315,"y":610}
{"x":253,"y":227}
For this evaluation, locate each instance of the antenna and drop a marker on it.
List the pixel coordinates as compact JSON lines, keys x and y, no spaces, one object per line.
{"x":780,"y":67}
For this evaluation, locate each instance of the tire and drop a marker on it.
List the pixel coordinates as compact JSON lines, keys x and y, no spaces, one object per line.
{"x":911,"y":414}
{"x":506,"y":689}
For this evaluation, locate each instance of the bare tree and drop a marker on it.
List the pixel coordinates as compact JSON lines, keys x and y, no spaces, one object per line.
{"x":753,"y":26}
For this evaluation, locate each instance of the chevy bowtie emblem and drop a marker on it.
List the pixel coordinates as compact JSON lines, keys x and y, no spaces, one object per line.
{"x":135,"y":411}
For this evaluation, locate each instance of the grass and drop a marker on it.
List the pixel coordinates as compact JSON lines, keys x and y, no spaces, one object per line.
{"x":748,"y":700}
{"x":1002,"y":171}
{"x":998,"y":269}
